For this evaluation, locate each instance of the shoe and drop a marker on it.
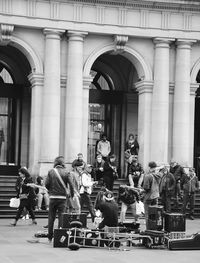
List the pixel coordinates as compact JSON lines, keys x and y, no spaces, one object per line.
{"x":34,"y":222}
{"x":13,"y":224}
{"x":191,"y":217}
{"x":45,"y":226}
{"x":27,"y":217}
{"x":23,"y":218}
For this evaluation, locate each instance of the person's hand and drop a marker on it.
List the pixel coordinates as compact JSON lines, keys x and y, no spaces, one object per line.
{"x":101,"y":169}
{"x":31,"y":184}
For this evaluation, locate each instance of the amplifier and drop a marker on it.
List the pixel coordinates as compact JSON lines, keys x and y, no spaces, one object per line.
{"x":155,"y":217}
{"x":61,"y":236}
{"x":175,"y":222}
{"x":67,"y":218}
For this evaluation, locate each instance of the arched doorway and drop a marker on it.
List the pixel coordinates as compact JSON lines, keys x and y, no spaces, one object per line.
{"x":14,"y":107}
{"x":113,"y":104}
{"x":197,"y":130}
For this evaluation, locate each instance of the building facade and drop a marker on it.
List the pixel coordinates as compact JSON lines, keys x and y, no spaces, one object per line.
{"x":71,"y":70}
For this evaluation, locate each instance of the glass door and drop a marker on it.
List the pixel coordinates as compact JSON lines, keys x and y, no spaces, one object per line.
{"x":7,"y":131}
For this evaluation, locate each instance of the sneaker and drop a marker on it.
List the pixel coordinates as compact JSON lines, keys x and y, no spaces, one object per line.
{"x":34,"y":222}
{"x":24,"y":217}
{"x":13,"y":224}
{"x":27,"y":217}
{"x":45,"y":226}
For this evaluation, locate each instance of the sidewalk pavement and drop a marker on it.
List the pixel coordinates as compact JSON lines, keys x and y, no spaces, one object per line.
{"x":14,"y":248}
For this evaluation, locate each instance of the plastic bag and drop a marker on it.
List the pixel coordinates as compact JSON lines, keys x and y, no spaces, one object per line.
{"x":139,"y":208}
{"x":14,"y":202}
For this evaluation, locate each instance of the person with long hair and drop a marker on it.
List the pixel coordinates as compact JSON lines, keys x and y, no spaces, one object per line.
{"x":26,"y":195}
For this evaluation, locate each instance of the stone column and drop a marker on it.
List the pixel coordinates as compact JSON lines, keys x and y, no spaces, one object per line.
{"x":193,"y":88}
{"x":160,"y":102}
{"x":181,"y":117}
{"x":86,"y":86}
{"x":144,"y":89}
{"x":74,"y":97}
{"x":51,"y":100}
{"x":37,"y":81}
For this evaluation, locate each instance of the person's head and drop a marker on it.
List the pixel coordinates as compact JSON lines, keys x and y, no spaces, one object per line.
{"x":88,"y":168}
{"x":59,"y":161}
{"x":131,"y":137}
{"x":152,"y":166}
{"x":23,"y":172}
{"x":78,"y":166}
{"x":133,"y":160}
{"x":108,"y":196}
{"x":80,"y":156}
{"x":112,"y":158}
{"x":191,"y":171}
{"x":99,"y":158}
{"x":104,"y":137}
{"x":40,"y":180}
{"x":173,"y":163}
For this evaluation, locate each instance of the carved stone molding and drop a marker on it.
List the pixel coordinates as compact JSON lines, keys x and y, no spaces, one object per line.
{"x":120,"y":42}
{"x":6,"y":33}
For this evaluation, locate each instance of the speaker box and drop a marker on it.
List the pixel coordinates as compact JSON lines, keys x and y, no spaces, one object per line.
{"x":175,"y":222}
{"x":67,"y":218}
{"x":61,"y":237}
{"x":155,"y":218}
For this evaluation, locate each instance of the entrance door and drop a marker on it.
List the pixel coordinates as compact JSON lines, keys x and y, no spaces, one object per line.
{"x":10,"y":105}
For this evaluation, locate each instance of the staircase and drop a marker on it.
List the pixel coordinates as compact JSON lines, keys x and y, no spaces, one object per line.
{"x":7,"y":191}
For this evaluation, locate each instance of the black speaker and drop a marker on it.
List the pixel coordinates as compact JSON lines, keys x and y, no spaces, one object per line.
{"x":155,"y":217}
{"x":61,"y":237}
{"x":175,"y":222}
{"x":67,"y":218}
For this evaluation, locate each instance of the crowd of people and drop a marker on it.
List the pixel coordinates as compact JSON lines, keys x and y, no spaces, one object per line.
{"x":68,"y":191}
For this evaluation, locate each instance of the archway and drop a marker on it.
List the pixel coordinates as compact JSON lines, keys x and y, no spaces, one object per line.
{"x":15,"y":97}
{"x":113,"y":99}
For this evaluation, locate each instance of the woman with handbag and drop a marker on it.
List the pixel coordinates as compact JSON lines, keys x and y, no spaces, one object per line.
{"x":26,"y":194}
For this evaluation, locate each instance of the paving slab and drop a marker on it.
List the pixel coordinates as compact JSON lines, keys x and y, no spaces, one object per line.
{"x":14,"y":248}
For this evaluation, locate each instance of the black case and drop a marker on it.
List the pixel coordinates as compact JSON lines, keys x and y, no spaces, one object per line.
{"x":174,"y":222}
{"x":67,"y":218}
{"x":155,"y":219}
{"x":61,"y":237}
{"x":189,"y":243}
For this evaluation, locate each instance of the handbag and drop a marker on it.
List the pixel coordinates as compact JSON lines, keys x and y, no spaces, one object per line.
{"x":14,"y":202}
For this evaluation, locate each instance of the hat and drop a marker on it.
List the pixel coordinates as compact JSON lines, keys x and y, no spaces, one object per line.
{"x":77,"y":163}
{"x":152,"y":165}
{"x":89,"y":165}
{"x":109,"y":196}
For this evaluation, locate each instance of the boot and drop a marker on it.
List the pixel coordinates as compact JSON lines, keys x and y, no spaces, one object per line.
{"x":14,"y":223}
{"x":34,"y":222}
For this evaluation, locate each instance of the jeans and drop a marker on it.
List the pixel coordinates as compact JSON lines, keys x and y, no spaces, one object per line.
{"x":188,"y":198}
{"x":28,"y":205}
{"x":85,"y":199}
{"x":124,"y":208}
{"x":55,"y":206}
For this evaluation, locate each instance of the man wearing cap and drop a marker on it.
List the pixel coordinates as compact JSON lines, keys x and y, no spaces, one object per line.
{"x":86,"y":185}
{"x":190,"y":185}
{"x":109,"y":210}
{"x":135,"y":173}
{"x":178,"y":171}
{"x":79,"y":159}
{"x":151,"y":188}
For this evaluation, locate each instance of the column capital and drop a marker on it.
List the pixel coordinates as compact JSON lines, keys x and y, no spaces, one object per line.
{"x":144,"y":86}
{"x":76,"y":35}
{"x":53,"y":33}
{"x":162,"y":42}
{"x":36,"y":79}
{"x":193,"y":88}
{"x":86,"y":82}
{"x":184,"y":43}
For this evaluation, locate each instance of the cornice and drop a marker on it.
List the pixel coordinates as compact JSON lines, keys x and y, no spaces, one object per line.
{"x":154,"y":5}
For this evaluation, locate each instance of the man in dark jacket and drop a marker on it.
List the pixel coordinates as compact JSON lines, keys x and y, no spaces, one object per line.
{"x":178,"y":171}
{"x":190,"y":185}
{"x":167,"y":186}
{"x":57,"y":192}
